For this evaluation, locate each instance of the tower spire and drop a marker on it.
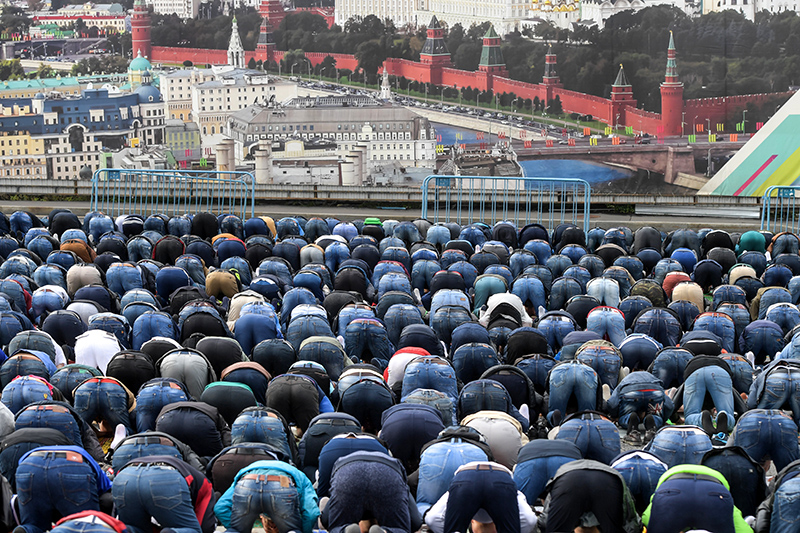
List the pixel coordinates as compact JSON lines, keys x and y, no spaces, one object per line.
{"x":671,"y":76}
{"x":672,"y":121}
{"x":235,"y":48}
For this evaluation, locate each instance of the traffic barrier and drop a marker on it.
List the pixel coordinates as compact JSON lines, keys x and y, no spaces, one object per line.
{"x":118,"y":191}
{"x":522,"y":200}
{"x":780,"y":209}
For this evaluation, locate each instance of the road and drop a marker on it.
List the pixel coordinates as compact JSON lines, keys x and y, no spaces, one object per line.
{"x":605,"y":220}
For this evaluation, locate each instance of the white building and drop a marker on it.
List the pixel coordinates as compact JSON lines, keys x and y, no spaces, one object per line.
{"x":505,"y":15}
{"x":597,"y":12}
{"x":401,"y":12}
{"x":749,"y":8}
{"x":185,"y":9}
{"x":370,"y":134}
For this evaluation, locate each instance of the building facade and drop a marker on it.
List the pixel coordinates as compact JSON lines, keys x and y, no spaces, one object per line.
{"x":376,"y":134}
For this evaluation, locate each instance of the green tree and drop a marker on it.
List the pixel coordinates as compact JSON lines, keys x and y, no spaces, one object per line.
{"x":14,"y":20}
{"x":11,"y":70}
{"x":554,"y":106}
{"x":252,"y":63}
{"x":370,"y":56}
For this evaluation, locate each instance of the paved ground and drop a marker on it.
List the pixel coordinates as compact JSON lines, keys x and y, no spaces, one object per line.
{"x":607,"y":220}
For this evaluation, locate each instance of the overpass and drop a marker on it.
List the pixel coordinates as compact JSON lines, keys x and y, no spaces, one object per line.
{"x":675,"y":161}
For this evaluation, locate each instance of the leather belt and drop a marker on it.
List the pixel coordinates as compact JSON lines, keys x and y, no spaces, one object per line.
{"x":285,"y":481}
{"x":75,"y":457}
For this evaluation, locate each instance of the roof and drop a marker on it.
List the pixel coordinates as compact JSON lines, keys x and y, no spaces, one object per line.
{"x":491,"y":54}
{"x":140,"y":63}
{"x":490,"y":33}
{"x":622,"y":80}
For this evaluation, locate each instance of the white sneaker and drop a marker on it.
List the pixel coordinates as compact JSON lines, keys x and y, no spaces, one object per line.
{"x":606,"y":391}
{"x":119,"y":435}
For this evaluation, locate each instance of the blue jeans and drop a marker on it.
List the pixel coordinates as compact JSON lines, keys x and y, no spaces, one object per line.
{"x":491,"y":490}
{"x":605,"y":362}
{"x":669,"y":366}
{"x":258,"y":426}
{"x":766,"y":433}
{"x":555,"y":328}
{"x":151,"y":399}
{"x":367,"y":337}
{"x":641,"y":476}
{"x":279,"y":501}
{"x":471,"y":360}
{"x":721,"y":325}
{"x":569,"y":379}
{"x":711,"y":380}
{"x":446,"y":319}
{"x":76,"y":526}
{"x":680,"y":445}
{"x":143,"y":491}
{"x":770,"y":297}
{"x":607,"y":322}
{"x":105,"y":399}
{"x":597,"y":439}
{"x":782,"y":390}
{"x":742,"y":371}
{"x":638,"y":401}
{"x":437,"y":467}
{"x":39,"y":416}
{"x":531,"y":290}
{"x":606,"y":290}
{"x":143,"y":446}
{"x":24,"y":391}
{"x":51,"y":483}
{"x":684,"y":504}
{"x":786,"y":507}
{"x":428,"y":375}
{"x":532,"y":476}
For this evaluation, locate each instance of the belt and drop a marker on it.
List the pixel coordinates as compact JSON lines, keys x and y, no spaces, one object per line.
{"x":150,"y":440}
{"x":285,"y":481}
{"x":53,"y":408}
{"x":75,"y":457}
{"x":149,"y":464}
{"x":696,"y":477}
{"x":103,"y":380}
{"x":481,"y":466}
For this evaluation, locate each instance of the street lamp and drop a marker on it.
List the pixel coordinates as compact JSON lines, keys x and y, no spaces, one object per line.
{"x":744,"y":120}
{"x":695,"y":124}
{"x":616,"y":124}
{"x":683,"y":122}
{"x":708,"y":121}
{"x":309,"y":65}
{"x":293,"y":65}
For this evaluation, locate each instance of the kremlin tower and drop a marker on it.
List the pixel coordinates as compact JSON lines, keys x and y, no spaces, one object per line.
{"x":140,"y":30}
{"x":671,"y":95}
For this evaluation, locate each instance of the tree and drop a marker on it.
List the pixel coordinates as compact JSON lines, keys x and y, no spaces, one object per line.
{"x":536,"y":103}
{"x":13,"y":20}
{"x":370,"y":56}
{"x":188,"y":63}
{"x":252,"y":63}
{"x":554,"y":106}
{"x":11,"y":70}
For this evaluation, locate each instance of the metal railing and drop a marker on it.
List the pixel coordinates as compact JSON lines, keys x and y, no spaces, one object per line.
{"x":780,"y":209}
{"x":172,"y":192}
{"x":522,"y":200}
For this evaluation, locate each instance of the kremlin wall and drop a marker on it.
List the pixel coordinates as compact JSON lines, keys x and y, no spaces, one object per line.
{"x":677,"y":117}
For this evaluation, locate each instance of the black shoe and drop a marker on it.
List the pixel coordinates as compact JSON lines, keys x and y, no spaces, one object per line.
{"x":557,"y":418}
{"x":722,"y":422}
{"x":650,"y":423}
{"x":634,"y":438}
{"x":707,"y":423}
{"x":633,"y":422}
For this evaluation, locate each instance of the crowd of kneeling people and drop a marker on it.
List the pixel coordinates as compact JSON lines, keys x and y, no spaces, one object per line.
{"x":183,"y":373}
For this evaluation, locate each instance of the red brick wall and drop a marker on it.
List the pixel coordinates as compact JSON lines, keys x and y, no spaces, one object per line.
{"x":641,"y":120}
{"x":200,"y":56}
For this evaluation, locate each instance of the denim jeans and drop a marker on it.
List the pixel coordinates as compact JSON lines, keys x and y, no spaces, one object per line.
{"x":41,"y":416}
{"x":786,"y":507}
{"x":491,"y":490}
{"x":367,"y":336}
{"x":677,"y":445}
{"x":51,"y":483}
{"x":641,"y":474}
{"x":721,"y":325}
{"x":438,"y":235}
{"x":399,"y":316}
{"x":532,"y":476}
{"x":427,"y":374}
{"x":711,"y":380}
{"x":606,"y":290}
{"x":607,"y":322}
{"x":143,"y":491}
{"x":152,"y":398}
{"x":252,"y":497}
{"x":563,"y":289}
{"x":101,"y":398}
{"x":530,"y":290}
{"x":555,"y":328}
{"x":782,"y":391}
{"x":771,"y":297}
{"x":80,"y":526}
{"x":438,"y":465}
{"x":257,"y":425}
{"x":605,"y":361}
{"x":598,"y":439}
{"x":572,"y":379}
{"x":24,"y":391}
{"x":660,"y":324}
{"x":142,"y":446}
{"x":471,"y":360}
{"x":536,"y":368}
{"x":766,"y":433}
{"x":638,"y":401}
{"x":669,"y":366}
{"x":446,"y":319}
{"x":16,"y":366}
{"x":786,"y":315}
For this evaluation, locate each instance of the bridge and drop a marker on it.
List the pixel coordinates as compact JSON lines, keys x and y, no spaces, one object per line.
{"x":675,"y":161}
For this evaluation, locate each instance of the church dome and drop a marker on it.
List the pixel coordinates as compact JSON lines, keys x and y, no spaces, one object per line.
{"x":140,"y":63}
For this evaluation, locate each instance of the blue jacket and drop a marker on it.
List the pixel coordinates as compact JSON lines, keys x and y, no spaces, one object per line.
{"x":309,"y":505}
